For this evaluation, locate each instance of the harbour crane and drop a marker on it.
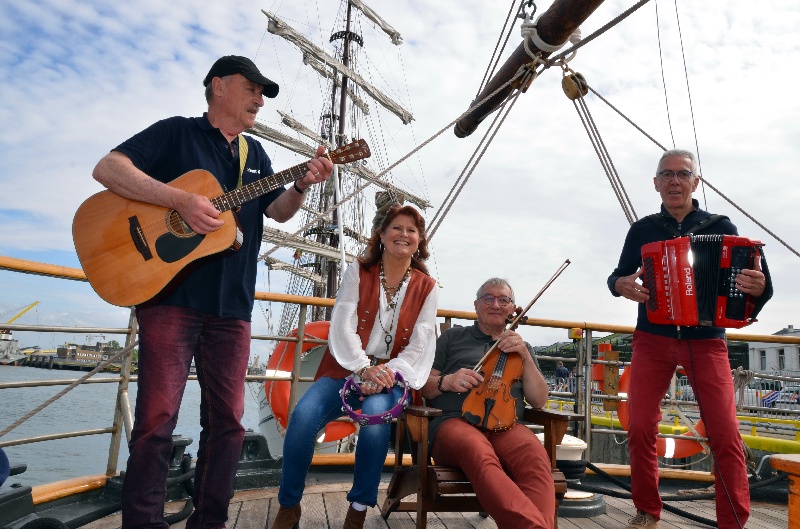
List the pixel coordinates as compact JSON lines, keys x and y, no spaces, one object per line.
{"x":21,"y":312}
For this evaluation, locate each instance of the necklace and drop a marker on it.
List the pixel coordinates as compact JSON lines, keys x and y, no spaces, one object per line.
{"x":391,"y":300}
{"x":387,"y":335}
{"x":391,"y":292}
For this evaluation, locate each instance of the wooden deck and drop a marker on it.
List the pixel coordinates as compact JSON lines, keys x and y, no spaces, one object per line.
{"x":325,"y":505}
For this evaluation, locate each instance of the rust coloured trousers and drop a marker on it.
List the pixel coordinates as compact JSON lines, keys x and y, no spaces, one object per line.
{"x":706,"y":363}
{"x":509,"y":471}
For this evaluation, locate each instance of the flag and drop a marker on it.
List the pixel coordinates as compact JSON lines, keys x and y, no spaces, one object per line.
{"x":768,"y":399}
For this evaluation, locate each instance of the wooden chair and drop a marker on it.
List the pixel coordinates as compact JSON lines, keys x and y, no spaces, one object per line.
{"x":446,"y":489}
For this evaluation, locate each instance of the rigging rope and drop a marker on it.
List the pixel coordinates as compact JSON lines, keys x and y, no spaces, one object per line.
{"x":746,"y":214}
{"x":703,"y":180}
{"x":599,"y":145}
{"x":663,"y":77}
{"x":465,"y":175}
{"x":69,"y":388}
{"x":616,"y":20}
{"x":315,"y":217}
{"x":691,"y":107}
{"x":490,"y":68}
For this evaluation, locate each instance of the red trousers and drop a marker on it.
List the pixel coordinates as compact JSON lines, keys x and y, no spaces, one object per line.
{"x":706,"y":364}
{"x":509,"y":471}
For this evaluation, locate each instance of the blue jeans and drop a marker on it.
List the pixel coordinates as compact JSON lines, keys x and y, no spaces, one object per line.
{"x":169,"y":338}
{"x":318,"y":406}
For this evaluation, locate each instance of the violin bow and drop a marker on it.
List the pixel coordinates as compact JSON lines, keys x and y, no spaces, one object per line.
{"x":521,"y":315}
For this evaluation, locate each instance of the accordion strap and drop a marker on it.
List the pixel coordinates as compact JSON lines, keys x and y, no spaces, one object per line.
{"x":662,"y":223}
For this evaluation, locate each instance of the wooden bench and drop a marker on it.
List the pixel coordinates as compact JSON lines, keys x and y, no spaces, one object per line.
{"x":446,"y":489}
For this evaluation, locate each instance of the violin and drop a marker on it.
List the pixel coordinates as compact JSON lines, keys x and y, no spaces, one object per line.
{"x":491,"y":406}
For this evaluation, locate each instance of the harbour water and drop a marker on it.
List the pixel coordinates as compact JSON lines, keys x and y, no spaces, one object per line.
{"x":90,"y":406}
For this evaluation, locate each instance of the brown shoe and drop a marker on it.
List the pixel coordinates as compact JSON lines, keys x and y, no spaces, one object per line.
{"x":287,"y":518}
{"x":643,"y":520}
{"x":354,"y":519}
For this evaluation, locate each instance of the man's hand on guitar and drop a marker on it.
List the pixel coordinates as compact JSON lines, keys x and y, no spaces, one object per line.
{"x":199,"y":213}
{"x":319,"y":170}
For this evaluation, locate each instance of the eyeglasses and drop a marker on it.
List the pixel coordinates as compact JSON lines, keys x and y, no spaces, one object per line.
{"x":489,"y":299}
{"x":667,"y":176}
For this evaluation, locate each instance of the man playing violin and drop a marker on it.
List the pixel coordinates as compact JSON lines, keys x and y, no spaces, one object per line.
{"x":509,"y":470}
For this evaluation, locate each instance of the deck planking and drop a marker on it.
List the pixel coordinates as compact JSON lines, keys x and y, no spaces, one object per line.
{"x":324,"y":507}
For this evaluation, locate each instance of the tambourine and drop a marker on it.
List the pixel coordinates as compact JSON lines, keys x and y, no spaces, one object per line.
{"x":383,"y":418}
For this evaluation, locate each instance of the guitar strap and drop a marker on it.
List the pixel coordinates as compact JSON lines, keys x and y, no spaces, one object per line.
{"x":242,"y":158}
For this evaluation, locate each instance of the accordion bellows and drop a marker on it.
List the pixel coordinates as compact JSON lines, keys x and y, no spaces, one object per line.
{"x":692,"y":280}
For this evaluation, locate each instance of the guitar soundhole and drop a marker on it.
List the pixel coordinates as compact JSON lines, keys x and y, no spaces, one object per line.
{"x":177,"y":226}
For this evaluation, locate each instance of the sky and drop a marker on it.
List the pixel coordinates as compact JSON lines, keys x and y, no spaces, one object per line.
{"x":79,"y":77}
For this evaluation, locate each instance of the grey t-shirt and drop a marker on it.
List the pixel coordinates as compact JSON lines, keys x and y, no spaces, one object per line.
{"x":461,"y":347}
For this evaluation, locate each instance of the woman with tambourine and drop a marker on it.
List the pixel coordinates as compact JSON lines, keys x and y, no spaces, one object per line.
{"x":382,"y":341}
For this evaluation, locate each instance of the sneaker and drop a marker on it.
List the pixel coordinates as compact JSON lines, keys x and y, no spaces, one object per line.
{"x":642,"y":520}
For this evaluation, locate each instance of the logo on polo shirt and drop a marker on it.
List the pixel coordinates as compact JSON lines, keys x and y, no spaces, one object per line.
{"x":256,"y":171}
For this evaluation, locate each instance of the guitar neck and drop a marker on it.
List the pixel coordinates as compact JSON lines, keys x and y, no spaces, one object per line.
{"x":262,"y":186}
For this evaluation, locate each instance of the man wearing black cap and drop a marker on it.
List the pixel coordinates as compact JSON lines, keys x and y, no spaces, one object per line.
{"x":206,"y":316}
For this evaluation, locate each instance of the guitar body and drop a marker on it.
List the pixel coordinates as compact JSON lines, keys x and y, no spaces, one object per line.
{"x":130,"y":251}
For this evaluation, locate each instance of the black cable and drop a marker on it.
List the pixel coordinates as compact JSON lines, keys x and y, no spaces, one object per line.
{"x":185,"y":478}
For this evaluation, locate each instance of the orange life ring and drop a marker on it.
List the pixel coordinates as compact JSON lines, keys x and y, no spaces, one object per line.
{"x":277,"y":392}
{"x":665,"y":447}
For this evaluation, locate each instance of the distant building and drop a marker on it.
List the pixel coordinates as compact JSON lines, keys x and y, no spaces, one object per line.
{"x":83,"y":353}
{"x":775,"y":357}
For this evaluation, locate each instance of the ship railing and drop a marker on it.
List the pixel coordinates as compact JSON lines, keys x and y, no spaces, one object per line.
{"x":585,"y":399}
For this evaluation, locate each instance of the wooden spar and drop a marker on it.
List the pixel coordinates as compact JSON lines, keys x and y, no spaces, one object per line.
{"x":554,"y":27}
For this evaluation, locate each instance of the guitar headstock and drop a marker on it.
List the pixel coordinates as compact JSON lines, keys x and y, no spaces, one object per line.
{"x":357,"y":150}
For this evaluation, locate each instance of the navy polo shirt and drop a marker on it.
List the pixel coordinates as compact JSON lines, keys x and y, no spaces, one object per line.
{"x":224,"y":284}
{"x":645,"y":231}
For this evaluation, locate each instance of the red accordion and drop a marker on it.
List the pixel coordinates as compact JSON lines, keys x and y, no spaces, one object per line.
{"x":692,"y":280}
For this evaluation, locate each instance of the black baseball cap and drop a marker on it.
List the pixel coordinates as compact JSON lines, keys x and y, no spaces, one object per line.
{"x":231,"y":64}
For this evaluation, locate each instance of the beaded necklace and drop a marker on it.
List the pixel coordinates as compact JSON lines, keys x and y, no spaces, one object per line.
{"x":391,"y":299}
{"x":391,"y":292}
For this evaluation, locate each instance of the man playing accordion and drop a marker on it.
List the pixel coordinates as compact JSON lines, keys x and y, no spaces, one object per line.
{"x":702,"y":351}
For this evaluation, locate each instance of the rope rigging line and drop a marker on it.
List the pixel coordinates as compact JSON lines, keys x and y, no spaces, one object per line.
{"x":746,"y":214}
{"x":490,"y":68}
{"x":69,"y":388}
{"x":547,"y":63}
{"x":491,"y":132}
{"x":316,"y":217}
{"x":433,"y":220}
{"x":703,"y":180}
{"x":689,"y":94}
{"x":605,"y":158}
{"x":626,"y":118}
{"x":663,"y":78}
{"x":556,"y":59}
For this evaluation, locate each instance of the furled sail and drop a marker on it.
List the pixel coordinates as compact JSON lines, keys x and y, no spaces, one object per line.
{"x":397,"y":39}
{"x":328,"y":74}
{"x":279,"y":138}
{"x":279,"y":27}
{"x":277,"y":264}
{"x":288,"y":240}
{"x":292,"y":123}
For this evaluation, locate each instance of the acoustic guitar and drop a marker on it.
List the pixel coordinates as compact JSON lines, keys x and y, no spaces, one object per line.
{"x":131,"y":250}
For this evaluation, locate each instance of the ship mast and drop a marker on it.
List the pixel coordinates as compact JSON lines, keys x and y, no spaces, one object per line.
{"x":333,"y":268}
{"x":331,"y":235}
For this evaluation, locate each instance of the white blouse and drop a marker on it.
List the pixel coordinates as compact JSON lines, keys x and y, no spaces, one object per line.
{"x":413,"y":362}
